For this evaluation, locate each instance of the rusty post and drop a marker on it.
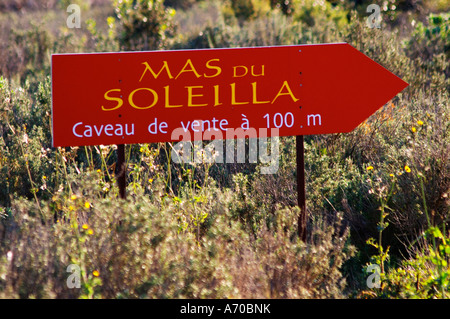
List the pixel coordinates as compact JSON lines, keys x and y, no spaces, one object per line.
{"x":121,"y":170}
{"x":302,"y":218}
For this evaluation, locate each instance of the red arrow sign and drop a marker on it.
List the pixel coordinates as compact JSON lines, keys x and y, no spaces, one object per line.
{"x":144,"y":97}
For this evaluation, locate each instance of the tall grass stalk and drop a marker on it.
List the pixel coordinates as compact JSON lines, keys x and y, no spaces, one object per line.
{"x":437,"y":259}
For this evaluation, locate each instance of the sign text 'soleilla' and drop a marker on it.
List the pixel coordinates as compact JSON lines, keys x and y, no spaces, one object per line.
{"x":195,"y":95}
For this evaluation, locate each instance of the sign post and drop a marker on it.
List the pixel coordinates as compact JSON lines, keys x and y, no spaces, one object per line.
{"x":301,"y":189}
{"x":164,"y":96}
{"x":121,"y":171}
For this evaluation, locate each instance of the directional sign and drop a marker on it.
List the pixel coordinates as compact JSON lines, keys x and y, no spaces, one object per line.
{"x":160,"y":96}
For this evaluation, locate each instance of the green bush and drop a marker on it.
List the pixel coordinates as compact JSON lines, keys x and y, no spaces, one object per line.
{"x":136,"y":249}
{"x":313,"y":12}
{"x":143,"y":25}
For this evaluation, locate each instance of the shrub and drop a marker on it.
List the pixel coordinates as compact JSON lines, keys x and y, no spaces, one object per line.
{"x":143,"y":25}
{"x":136,"y":249}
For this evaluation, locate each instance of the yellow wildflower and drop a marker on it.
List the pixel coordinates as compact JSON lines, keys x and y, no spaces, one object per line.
{"x":369,"y":168}
{"x":413,"y":129}
{"x":85,"y":226}
{"x":73,"y":197}
{"x":90,"y":232}
{"x":419,"y":122}
{"x":87,"y":205}
{"x":407,"y":169}
{"x":96,"y":273}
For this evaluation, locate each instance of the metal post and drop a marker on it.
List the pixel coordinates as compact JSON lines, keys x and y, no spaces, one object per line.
{"x":121,"y":170}
{"x":302,"y":218}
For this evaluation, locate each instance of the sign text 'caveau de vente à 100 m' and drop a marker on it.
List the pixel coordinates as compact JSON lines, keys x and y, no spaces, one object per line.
{"x":162,"y":96}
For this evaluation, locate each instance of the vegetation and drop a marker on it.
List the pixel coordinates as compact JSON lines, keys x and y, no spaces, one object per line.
{"x":376,"y":196}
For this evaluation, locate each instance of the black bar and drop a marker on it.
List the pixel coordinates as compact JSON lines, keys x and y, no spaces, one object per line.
{"x":302,"y":218}
{"x":121,"y":170}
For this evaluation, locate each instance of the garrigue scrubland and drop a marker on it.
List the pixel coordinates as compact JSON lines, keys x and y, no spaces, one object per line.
{"x":376,"y":196}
